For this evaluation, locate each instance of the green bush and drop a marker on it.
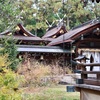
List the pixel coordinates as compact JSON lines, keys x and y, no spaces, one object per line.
{"x":9,"y":47}
{"x":9,"y":82}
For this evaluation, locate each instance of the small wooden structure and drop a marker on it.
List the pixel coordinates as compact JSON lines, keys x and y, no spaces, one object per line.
{"x":88,"y":92}
{"x":94,"y":78}
{"x":90,"y":88}
{"x":86,"y":40}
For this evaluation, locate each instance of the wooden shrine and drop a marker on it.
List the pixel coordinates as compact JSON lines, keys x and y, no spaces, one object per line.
{"x":22,"y":35}
{"x":35,"y":47}
{"x":85,"y":39}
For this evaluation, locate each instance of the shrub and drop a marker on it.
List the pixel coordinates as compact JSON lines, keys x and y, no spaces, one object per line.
{"x":9,"y":81}
{"x":9,"y":47}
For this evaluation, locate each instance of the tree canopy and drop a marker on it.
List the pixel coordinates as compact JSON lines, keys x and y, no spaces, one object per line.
{"x":9,"y":14}
{"x":38,"y":15}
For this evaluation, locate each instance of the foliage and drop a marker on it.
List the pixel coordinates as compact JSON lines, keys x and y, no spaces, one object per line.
{"x":39,"y":15}
{"x":76,"y":13}
{"x":94,"y":7}
{"x":3,"y":61}
{"x":9,"y":14}
{"x":8,"y":81}
{"x":9,"y":47}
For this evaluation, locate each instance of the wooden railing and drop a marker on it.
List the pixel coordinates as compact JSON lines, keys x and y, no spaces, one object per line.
{"x":85,"y":74}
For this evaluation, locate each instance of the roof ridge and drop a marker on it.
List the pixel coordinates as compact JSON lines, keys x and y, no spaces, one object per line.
{"x":93,"y":21}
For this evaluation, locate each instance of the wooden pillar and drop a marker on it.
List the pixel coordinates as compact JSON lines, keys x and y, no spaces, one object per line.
{"x":98,"y":76}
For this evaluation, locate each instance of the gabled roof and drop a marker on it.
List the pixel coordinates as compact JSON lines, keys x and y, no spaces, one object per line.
{"x":75,"y":33}
{"x":25,"y":30}
{"x":29,"y":36}
{"x":54,"y":31}
{"x":22,"y":28}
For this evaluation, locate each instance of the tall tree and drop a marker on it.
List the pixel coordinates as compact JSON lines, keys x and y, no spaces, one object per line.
{"x":76,"y":13}
{"x":9,"y":14}
{"x":38,"y":15}
{"x":94,"y":7}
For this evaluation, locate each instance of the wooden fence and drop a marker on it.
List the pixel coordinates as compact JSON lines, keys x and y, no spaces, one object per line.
{"x":88,"y":76}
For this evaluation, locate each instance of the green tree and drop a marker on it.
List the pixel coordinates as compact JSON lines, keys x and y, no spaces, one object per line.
{"x":9,"y":14}
{"x":9,"y":81}
{"x":36,"y":14}
{"x":9,"y":47}
{"x":94,"y":7}
{"x":76,"y":13}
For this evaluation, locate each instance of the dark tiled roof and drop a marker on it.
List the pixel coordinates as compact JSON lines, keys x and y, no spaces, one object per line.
{"x":54,"y":31}
{"x":72,"y":34}
{"x":25,"y":30}
{"x":22,"y":28}
{"x":29,"y":36}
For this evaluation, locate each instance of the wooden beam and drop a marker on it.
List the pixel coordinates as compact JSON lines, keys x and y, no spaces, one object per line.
{"x":85,"y":41}
{"x":92,"y":82}
{"x":89,"y":64}
{"x":90,"y":72}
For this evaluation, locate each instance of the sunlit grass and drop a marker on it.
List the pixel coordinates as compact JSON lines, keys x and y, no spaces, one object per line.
{"x":52,"y":93}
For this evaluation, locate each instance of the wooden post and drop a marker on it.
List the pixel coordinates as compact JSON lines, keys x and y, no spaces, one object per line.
{"x":98,"y":76}
{"x":84,"y":76}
